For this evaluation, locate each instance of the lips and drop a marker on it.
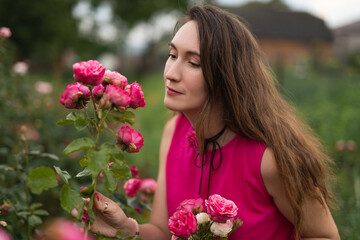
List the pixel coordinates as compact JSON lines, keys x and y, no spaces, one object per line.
{"x":173,"y":91}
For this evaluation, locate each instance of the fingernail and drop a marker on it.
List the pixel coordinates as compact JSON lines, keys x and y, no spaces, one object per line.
{"x":97,"y":196}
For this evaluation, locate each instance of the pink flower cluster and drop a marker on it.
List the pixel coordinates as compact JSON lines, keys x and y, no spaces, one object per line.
{"x":111,"y":89}
{"x":217,"y":212}
{"x":135,"y":185}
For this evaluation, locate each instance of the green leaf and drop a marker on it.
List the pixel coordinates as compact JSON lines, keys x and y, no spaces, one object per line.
{"x":41,"y":178}
{"x":23,"y":213}
{"x":69,"y":198}
{"x":115,"y":116}
{"x":121,"y":170}
{"x":64,"y":175}
{"x":73,"y":116}
{"x":83,"y":173}
{"x":79,"y":144}
{"x":80,"y":124}
{"x":34,"y":220}
{"x":98,"y":160}
{"x":41,"y":212}
{"x":64,"y":122}
{"x":113,"y":150}
{"x":50,"y":156}
{"x":35,"y":205}
{"x":110,"y":180}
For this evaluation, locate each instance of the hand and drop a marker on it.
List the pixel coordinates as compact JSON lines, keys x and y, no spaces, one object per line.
{"x":108,"y":220}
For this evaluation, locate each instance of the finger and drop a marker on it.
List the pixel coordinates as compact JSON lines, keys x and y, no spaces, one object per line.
{"x":101,"y":202}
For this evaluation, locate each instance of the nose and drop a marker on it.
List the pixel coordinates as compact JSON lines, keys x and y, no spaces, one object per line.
{"x":172,"y":70}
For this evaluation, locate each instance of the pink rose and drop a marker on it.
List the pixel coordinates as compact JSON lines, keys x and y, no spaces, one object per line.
{"x":4,"y":235}
{"x":221,"y":229}
{"x":89,"y":73}
{"x":43,"y":87}
{"x":118,"y":96}
{"x":148,"y":185}
{"x":75,"y":96}
{"x":5,"y":32}
{"x":220,"y":209}
{"x":132,"y":187}
{"x":192,"y":205}
{"x":114,"y":78}
{"x":62,"y":229}
{"x":137,"y":95}
{"x":182,"y":223}
{"x":129,"y":139}
{"x":134,"y":171}
{"x":98,"y":92}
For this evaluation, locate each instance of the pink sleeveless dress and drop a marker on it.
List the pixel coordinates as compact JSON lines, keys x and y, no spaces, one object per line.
{"x":238,"y":179}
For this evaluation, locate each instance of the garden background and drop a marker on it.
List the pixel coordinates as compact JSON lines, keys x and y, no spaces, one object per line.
{"x":36,"y":66}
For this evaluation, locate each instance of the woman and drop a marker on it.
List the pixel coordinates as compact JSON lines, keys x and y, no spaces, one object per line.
{"x":250,"y":149}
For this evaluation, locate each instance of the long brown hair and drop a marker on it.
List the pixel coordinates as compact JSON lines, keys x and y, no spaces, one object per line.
{"x":253,"y":107}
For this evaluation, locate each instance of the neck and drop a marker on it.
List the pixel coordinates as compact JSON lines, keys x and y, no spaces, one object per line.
{"x":213,"y":125}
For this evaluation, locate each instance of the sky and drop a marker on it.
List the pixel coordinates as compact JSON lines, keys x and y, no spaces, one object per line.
{"x":335,"y":13}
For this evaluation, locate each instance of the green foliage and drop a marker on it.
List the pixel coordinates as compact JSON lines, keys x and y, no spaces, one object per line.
{"x":41,"y":178}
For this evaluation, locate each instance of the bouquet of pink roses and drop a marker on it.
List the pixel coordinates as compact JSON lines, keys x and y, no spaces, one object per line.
{"x":214,"y":218}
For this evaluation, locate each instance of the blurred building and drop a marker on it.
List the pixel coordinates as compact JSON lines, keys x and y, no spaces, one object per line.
{"x":286,"y":36}
{"x":347,"y":40}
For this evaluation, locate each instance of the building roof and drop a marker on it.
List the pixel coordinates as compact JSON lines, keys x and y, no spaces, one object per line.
{"x":349,"y":29}
{"x":267,"y":22}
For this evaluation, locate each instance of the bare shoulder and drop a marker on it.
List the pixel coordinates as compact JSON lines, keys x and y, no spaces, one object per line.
{"x":170,"y":127}
{"x":269,"y":171}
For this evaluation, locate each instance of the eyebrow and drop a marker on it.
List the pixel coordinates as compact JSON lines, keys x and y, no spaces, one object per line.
{"x":187,"y":52}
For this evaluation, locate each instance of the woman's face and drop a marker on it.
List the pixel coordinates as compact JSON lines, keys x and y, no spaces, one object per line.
{"x":185,"y":89}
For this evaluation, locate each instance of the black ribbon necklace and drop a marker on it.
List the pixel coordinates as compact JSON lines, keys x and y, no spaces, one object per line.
{"x":201,"y":165}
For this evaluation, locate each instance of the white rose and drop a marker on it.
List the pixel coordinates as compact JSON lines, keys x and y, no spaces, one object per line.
{"x":221,"y":229}
{"x":202,"y":218}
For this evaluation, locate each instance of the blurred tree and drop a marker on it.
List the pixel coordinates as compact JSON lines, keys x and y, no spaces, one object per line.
{"x":42,"y":31}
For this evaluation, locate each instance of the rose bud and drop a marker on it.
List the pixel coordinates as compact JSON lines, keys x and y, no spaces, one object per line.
{"x":351,"y":146}
{"x":118,"y":96}
{"x":75,"y":96}
{"x":89,"y":73}
{"x":137,"y":95}
{"x":114,"y":78}
{"x":98,"y":92}
{"x":221,"y":229}
{"x":5,"y":32}
{"x":129,"y":139}
{"x":132,"y":187}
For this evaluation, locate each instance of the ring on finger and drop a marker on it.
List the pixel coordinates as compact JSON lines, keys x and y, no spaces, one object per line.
{"x":106,"y":205}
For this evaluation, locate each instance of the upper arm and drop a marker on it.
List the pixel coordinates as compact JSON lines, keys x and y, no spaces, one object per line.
{"x":317,"y":220}
{"x":159,"y":215}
